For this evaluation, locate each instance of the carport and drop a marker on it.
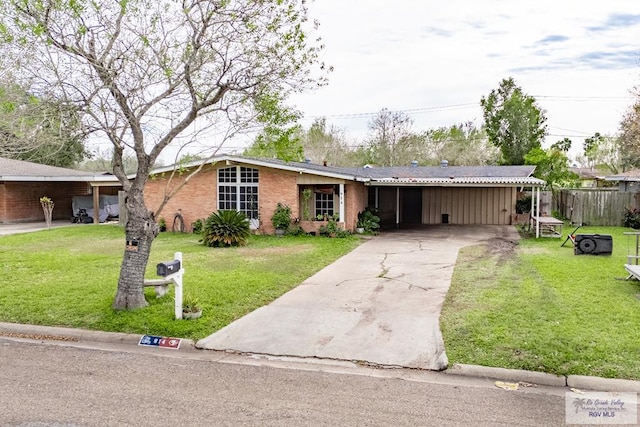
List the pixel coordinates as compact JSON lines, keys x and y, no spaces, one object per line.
{"x":22,"y":184}
{"x":483,"y":195}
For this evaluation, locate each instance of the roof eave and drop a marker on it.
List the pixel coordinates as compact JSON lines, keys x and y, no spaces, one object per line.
{"x":39,"y":178}
{"x":230,"y":160}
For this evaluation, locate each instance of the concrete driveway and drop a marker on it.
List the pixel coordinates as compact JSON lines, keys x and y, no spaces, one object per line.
{"x":379,"y":304}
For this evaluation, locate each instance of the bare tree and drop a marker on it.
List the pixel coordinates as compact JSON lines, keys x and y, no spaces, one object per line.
{"x":391,"y":141}
{"x":150,"y":74}
{"x":462,"y":145}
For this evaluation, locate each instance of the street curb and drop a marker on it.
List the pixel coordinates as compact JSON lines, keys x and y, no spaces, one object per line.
{"x":56,"y":333}
{"x":604,"y":384}
{"x":581,"y":382}
{"x":514,"y":375}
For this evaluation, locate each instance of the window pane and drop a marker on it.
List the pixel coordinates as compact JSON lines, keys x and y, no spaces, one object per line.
{"x":227,"y":196}
{"x":248,"y":175}
{"x":249,"y":201}
{"x":324,"y":204}
{"x":227,"y":174}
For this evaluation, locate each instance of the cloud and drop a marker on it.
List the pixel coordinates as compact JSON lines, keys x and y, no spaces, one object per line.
{"x":610,"y":60}
{"x":617,"y":20}
{"x":597,"y":60}
{"x":437,"y":31}
{"x":554,"y":38}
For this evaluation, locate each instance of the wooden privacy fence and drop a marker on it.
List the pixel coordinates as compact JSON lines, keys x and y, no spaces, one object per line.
{"x":594,"y":206}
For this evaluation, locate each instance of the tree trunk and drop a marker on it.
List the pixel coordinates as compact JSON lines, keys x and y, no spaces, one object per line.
{"x":140,"y":231}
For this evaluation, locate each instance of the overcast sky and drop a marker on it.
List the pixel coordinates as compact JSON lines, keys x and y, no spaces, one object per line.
{"x":434,"y":60}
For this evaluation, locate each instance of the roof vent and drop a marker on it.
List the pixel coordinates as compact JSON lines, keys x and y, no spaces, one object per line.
{"x":414,"y":163}
{"x":444,"y":164}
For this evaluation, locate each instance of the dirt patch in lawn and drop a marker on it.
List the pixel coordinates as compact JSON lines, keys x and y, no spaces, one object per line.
{"x":503,"y":248}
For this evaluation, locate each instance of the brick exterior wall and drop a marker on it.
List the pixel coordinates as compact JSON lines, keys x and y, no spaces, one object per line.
{"x":20,"y":201}
{"x":276,"y":186}
{"x":198,"y":198}
{"x":355,"y":202}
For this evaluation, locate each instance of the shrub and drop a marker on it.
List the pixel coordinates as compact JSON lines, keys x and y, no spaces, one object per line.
{"x":162,"y":225}
{"x":523,"y":205}
{"x":295,"y":230}
{"x":196,"y":226}
{"x":558,"y":215}
{"x":332,"y":229}
{"x":281,"y":218}
{"x":368,"y":220}
{"x":226,"y":228}
{"x":631,"y":218}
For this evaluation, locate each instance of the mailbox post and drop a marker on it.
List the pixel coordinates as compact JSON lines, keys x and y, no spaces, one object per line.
{"x":172,"y":272}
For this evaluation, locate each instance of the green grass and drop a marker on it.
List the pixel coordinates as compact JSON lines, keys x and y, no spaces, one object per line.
{"x":542,"y":308}
{"x":68,"y":277}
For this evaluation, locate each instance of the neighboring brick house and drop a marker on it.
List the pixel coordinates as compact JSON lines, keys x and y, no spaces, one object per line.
{"x":403,"y":195}
{"x":22,"y":184}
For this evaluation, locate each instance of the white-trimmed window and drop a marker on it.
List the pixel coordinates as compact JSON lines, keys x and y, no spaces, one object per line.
{"x":324,"y":204}
{"x":238,"y":190}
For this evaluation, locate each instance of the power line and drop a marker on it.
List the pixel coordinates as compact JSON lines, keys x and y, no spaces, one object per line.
{"x":467,"y":105}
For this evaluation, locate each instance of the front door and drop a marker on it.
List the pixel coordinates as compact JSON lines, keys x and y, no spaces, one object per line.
{"x":411,"y":205}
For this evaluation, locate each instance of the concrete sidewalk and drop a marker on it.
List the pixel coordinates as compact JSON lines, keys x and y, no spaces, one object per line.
{"x":27,"y":227}
{"x":379,"y":304}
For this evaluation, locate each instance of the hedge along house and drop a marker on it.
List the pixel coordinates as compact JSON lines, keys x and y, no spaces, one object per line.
{"x":22,"y":184}
{"x":404,"y":196}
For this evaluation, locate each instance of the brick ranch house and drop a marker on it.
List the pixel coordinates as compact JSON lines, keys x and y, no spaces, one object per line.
{"x":22,"y":184}
{"x":403,"y":195}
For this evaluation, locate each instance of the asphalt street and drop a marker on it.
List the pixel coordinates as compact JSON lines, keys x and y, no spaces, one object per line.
{"x":60,"y":385}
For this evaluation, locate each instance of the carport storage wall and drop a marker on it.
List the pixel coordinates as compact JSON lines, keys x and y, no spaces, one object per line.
{"x":468,"y":205}
{"x":20,"y":201}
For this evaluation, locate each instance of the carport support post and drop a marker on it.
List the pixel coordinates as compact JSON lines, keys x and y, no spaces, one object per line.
{"x":397,"y":207}
{"x":96,"y":204}
{"x":536,"y":191}
{"x":341,"y":191}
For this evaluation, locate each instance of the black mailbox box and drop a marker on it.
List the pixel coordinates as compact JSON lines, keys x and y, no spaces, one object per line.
{"x":593,"y":244}
{"x":168,"y":267}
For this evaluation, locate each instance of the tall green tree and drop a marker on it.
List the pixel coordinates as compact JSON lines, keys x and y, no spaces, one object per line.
{"x":280,"y":135}
{"x":150,"y":74}
{"x":552,"y":166}
{"x":513,"y":121}
{"x":39,"y":129}
{"x":563,"y":145}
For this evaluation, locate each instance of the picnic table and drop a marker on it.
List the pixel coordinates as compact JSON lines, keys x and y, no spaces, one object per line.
{"x":549,"y":226}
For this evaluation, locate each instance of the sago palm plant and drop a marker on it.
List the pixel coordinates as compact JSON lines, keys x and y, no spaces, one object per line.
{"x":226,"y":228}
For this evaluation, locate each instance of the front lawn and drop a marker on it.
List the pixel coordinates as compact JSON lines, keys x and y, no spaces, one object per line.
{"x":540,"y":307}
{"x":68,"y":277}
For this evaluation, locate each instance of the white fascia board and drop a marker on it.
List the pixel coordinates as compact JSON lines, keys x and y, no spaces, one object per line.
{"x":261,"y":163}
{"x":71,"y":178}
